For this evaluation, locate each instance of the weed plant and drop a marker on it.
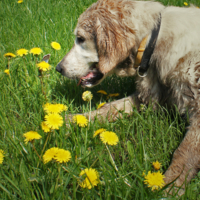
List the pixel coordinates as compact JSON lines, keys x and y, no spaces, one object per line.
{"x":144,"y":137}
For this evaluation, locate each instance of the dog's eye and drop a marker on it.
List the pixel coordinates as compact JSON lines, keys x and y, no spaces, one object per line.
{"x":80,"y":40}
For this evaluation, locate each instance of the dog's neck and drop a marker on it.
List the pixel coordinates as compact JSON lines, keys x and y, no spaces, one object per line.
{"x":145,"y":52}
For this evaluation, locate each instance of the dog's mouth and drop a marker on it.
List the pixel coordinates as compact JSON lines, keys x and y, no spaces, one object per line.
{"x":92,"y":78}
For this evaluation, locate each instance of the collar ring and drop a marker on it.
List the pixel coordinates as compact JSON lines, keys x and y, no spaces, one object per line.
{"x":141,"y":75}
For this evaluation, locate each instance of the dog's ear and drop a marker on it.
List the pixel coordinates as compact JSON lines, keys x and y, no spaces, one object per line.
{"x":112,"y":43}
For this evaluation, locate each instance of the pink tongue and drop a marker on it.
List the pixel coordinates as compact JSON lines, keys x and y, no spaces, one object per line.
{"x":90,"y":75}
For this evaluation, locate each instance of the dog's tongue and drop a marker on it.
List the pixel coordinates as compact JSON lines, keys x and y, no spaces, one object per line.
{"x":90,"y":75}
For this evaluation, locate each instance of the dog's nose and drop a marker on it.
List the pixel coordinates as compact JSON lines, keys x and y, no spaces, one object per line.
{"x":58,"y":68}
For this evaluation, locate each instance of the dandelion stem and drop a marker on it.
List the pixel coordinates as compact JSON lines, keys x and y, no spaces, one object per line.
{"x":74,"y":188}
{"x":69,"y":171}
{"x":94,"y":162}
{"x":58,"y":177}
{"x":36,"y":151}
{"x":41,"y":80}
{"x":42,"y":83}
{"x":45,"y":142}
{"x":114,"y":165}
{"x":44,"y":146}
{"x":101,"y":98}
{"x":36,"y":60}
{"x":8,"y":62}
{"x":26,"y":70}
{"x":112,"y":160}
{"x":90,"y":111}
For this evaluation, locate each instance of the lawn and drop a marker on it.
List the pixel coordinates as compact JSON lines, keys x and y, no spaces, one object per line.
{"x":143,"y":138}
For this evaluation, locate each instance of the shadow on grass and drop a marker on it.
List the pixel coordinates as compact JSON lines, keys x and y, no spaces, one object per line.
{"x":68,"y":89}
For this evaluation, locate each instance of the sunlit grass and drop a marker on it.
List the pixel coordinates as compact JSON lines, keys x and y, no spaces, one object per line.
{"x":143,"y":137}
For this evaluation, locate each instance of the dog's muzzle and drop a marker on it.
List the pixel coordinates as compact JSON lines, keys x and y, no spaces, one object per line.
{"x":58,"y":68}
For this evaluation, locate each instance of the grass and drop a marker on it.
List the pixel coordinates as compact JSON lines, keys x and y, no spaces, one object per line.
{"x":143,"y":138}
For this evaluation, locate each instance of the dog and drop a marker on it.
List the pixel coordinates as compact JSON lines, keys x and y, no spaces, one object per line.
{"x":160,"y":47}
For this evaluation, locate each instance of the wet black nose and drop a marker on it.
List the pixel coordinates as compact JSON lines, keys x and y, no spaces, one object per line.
{"x":58,"y":68}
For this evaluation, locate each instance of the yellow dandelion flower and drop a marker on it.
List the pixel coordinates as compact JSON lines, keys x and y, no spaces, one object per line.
{"x":155,"y":180}
{"x":46,"y":105}
{"x":109,"y":137}
{"x":97,"y":132}
{"x":31,"y":135}
{"x":44,"y":66}
{"x":102,"y":92}
{"x":80,"y":120}
{"x":7,"y":71}
{"x":185,"y":3}
{"x":156,"y":165}
{"x":144,"y":173}
{"x":36,"y":51}
{"x":113,"y":95}
{"x":22,"y":52}
{"x":87,"y":96}
{"x":45,"y":128}
{"x":100,"y":105}
{"x":50,"y":154}
{"x":53,"y":120}
{"x":20,"y":1}
{"x":62,"y":107}
{"x":91,"y":178}
{"x":1,"y":156}
{"x":54,"y":108}
{"x":55,"y":46}
{"x":63,"y":156}
{"x":10,"y":55}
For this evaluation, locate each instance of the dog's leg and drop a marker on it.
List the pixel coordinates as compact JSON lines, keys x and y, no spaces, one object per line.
{"x":113,"y":110}
{"x":186,"y":159}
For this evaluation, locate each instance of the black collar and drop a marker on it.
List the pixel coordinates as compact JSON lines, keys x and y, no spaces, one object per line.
{"x":144,"y":65}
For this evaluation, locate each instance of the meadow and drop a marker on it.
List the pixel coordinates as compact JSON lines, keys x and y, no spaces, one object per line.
{"x":143,"y":138}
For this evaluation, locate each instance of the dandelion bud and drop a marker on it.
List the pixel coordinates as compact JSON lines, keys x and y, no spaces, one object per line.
{"x":87,"y":96}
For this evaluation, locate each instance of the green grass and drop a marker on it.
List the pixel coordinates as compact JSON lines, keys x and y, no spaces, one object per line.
{"x":143,"y":138}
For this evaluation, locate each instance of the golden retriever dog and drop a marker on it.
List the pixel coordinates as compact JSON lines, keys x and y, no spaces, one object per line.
{"x":158,"y":45}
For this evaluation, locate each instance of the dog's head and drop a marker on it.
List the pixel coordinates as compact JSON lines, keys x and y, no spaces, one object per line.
{"x":105,"y":43}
